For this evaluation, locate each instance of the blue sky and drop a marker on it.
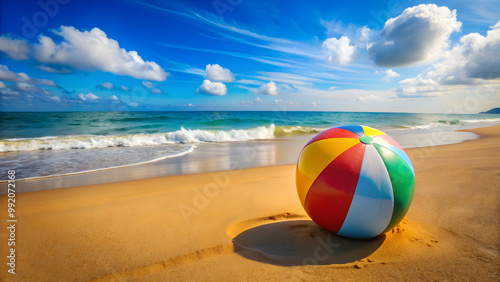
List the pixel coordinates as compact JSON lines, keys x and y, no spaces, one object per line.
{"x":395,"y":56}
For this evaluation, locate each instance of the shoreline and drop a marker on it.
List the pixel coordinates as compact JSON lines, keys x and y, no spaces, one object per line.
{"x":214,"y":157}
{"x":249,"y":224}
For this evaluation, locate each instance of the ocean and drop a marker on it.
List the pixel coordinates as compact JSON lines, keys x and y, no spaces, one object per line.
{"x":42,"y":144}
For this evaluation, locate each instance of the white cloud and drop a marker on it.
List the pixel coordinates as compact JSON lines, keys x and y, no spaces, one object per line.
{"x":148,"y":84}
{"x":313,"y":104}
{"x":38,"y":91}
{"x":93,"y":50}
{"x":7,"y":75}
{"x":269,"y":89}
{"x":156,"y":91}
{"x":341,"y":52}
{"x":190,"y":105}
{"x":218,"y":73}
{"x":125,"y":88}
{"x":212,"y":88}
{"x":25,"y":87}
{"x":113,"y":97}
{"x":14,"y":48}
{"x":420,"y":34}
{"x":474,"y":61}
{"x":366,"y":34}
{"x":28,"y":92}
{"x":88,"y":96}
{"x":8,"y":93}
{"x":53,"y":69}
{"x":55,"y":98}
{"x":257,"y":100}
{"x":107,"y":85}
{"x":359,"y":35}
{"x":133,"y":104}
{"x":389,"y":74}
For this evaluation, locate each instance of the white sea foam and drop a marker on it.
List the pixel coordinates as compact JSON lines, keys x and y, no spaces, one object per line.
{"x":444,"y":123}
{"x":94,"y":141}
{"x":302,"y":129}
{"x":486,"y":120}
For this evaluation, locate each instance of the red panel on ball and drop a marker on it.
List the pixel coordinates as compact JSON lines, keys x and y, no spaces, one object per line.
{"x":330,"y":196}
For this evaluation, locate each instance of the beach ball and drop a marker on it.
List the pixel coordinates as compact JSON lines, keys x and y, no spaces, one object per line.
{"x":355,"y":181}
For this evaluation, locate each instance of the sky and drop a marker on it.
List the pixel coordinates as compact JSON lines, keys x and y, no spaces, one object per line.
{"x":242,"y":55}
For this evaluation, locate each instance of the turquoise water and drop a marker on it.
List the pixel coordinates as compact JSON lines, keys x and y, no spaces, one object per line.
{"x":49,"y":143}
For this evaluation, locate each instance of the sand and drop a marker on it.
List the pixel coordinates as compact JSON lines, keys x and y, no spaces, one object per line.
{"x":249,"y":225}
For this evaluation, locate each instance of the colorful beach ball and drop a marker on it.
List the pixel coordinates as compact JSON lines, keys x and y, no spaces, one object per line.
{"x":355,"y":181}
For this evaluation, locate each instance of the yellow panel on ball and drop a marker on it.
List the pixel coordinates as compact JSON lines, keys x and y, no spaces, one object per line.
{"x":315,"y":157}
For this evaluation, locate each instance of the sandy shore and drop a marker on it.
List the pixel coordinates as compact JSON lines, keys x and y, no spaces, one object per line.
{"x":249,"y":224}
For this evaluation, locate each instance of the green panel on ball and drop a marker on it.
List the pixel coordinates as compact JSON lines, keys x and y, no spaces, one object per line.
{"x":403,"y":184}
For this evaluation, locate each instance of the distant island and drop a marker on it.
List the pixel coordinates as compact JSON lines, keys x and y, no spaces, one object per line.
{"x":492,"y":111}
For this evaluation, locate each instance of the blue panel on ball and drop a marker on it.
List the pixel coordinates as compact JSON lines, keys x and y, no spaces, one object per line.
{"x":354,"y":128}
{"x":372,"y":205}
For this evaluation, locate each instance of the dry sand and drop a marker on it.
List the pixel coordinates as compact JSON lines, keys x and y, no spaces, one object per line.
{"x":249,"y":225}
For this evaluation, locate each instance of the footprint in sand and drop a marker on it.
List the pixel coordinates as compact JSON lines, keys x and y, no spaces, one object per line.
{"x":289,"y":239}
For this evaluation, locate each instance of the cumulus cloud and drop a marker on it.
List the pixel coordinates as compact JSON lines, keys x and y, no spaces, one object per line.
{"x":84,"y":50}
{"x":27,"y":92}
{"x":257,"y":100}
{"x":106,"y":85}
{"x":313,"y":104}
{"x":113,"y":97}
{"x":2,"y":85}
{"x":148,"y":84}
{"x":88,"y":97}
{"x":388,"y":74}
{"x":8,"y":93}
{"x":473,"y":61}
{"x":340,"y":50}
{"x":34,"y":90}
{"x":125,"y":88}
{"x":7,"y":75}
{"x":54,"y":69}
{"x":366,"y":34}
{"x":218,"y":73}
{"x":212,"y":88}
{"x":359,"y":35}
{"x":14,"y":48}
{"x":420,"y":34}
{"x":156,"y":91}
{"x":269,"y":89}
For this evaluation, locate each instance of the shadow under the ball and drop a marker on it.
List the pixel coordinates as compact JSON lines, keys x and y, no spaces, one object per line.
{"x":301,"y":242}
